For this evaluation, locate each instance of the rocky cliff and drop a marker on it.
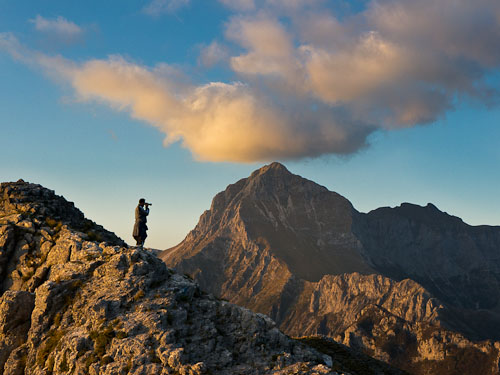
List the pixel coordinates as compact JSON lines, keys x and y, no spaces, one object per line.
{"x":76,"y":300}
{"x":382,"y":282}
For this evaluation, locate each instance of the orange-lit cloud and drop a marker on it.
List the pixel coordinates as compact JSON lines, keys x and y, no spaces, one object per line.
{"x":269,"y":46}
{"x":311,"y":82}
{"x":216,"y":121}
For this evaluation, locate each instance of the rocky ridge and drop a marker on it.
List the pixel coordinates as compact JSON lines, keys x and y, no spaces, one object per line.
{"x":456,"y":262}
{"x":84,"y":303}
{"x":287,"y":247}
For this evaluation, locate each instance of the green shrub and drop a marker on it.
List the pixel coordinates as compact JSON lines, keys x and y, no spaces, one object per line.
{"x":106,"y":359}
{"x":129,"y":365}
{"x":93,"y":236}
{"x":57,"y":320}
{"x":56,"y":225}
{"x":140,"y":294}
{"x":154,"y":358}
{"x":54,"y":336}
{"x":28,"y":275}
{"x":63,"y":366}
{"x":121,"y":335}
{"x":102,"y":339}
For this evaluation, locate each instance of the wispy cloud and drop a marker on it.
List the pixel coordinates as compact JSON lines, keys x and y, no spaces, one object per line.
{"x":212,"y":54}
{"x":58,"y":27}
{"x":239,"y":5}
{"x":158,"y":7}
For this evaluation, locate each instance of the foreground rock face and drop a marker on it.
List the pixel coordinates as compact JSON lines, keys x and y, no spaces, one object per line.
{"x":382,"y":282}
{"x":70,"y":304}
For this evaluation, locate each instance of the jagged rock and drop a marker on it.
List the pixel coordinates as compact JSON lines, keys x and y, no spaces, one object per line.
{"x":131,"y":314}
{"x":7,"y":244}
{"x":16,"y":363}
{"x":332,"y":305}
{"x":285,"y":246}
{"x":15,"y":314}
{"x":33,"y":208}
{"x":84,"y":307}
{"x":32,"y":221}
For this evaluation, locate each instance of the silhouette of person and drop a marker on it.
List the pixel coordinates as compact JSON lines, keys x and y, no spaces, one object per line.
{"x":140,"y":227}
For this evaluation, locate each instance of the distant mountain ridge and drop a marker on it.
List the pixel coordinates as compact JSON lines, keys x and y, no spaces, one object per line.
{"x":286,"y":246}
{"x":457,"y":262}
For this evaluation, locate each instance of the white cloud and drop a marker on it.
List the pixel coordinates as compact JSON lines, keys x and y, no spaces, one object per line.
{"x":397,"y":63}
{"x":293,"y":5}
{"x":59,"y":26}
{"x":239,"y":5}
{"x":279,"y":5}
{"x":157,"y":7}
{"x":212,"y":54}
{"x":267,"y":43}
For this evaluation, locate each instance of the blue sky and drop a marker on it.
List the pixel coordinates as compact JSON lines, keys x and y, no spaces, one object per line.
{"x":364,"y":98}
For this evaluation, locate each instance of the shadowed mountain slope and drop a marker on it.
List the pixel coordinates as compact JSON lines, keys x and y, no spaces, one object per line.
{"x":459,"y":263}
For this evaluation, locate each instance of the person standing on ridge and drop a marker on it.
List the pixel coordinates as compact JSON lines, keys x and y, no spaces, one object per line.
{"x":140,"y":227}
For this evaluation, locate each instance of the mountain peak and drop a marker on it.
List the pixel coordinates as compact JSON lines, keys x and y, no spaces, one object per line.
{"x":305,"y":226}
{"x":274,"y":168}
{"x":276,"y":180}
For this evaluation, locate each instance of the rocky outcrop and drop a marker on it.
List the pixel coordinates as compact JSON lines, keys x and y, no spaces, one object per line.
{"x":331,"y":305}
{"x":34,"y":225}
{"x":285,"y":246}
{"x":71,"y":304}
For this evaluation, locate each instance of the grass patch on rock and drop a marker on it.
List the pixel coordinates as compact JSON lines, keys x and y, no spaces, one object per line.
{"x":53,"y":338}
{"x":140,"y":294}
{"x":102,"y":338}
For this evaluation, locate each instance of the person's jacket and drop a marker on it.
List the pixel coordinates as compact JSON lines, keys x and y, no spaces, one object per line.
{"x":141,"y":214}
{"x":140,"y":221}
